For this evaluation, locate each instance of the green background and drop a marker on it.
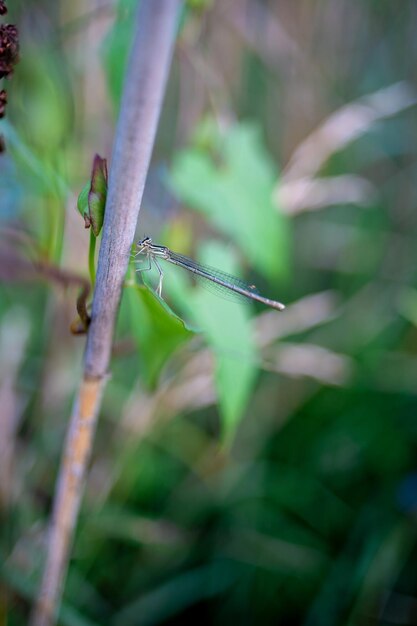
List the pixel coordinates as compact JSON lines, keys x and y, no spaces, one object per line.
{"x":250,"y":466}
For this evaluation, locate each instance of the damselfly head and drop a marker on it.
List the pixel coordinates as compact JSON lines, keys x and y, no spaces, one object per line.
{"x":144,"y":242}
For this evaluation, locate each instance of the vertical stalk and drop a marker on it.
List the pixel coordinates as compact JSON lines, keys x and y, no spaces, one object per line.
{"x":144,"y":88}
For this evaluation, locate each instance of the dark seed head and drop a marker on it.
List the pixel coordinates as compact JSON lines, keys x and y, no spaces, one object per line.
{"x":9,"y":48}
{"x":3,"y":102}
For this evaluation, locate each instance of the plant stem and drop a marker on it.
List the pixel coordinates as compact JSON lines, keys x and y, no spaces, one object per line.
{"x":144,"y":88}
{"x":92,"y":258}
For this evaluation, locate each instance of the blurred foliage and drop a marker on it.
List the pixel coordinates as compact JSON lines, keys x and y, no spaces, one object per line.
{"x":230,"y":179}
{"x":250,"y":466}
{"x":116,"y":46}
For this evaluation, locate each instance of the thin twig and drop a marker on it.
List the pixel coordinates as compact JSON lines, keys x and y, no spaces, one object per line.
{"x":141,"y":104}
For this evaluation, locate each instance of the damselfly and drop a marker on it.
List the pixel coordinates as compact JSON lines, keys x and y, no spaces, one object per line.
{"x":224,"y":282}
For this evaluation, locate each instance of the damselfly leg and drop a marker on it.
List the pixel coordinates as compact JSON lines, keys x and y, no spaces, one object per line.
{"x":161,"y":277}
{"x":139,"y":251}
{"x":150,"y":258}
{"x":145,"y":269}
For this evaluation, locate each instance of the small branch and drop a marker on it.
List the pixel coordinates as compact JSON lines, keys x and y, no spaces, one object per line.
{"x":60,"y":276}
{"x":142,"y":99}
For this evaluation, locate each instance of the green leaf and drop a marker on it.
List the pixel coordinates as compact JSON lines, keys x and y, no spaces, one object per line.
{"x":116,"y":47}
{"x":82,"y":202}
{"x":91,"y":201}
{"x":233,"y":187}
{"x":227,"y":328}
{"x":157,"y":329}
{"x":43,"y":99}
{"x":41,"y":175}
{"x":98,"y":194}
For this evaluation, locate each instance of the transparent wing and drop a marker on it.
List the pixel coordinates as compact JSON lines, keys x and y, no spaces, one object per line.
{"x":207,"y":277}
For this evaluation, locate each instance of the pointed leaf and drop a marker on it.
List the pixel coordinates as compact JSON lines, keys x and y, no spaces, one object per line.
{"x":227,"y":328}
{"x":82,"y":204}
{"x":157,"y":329}
{"x":98,"y":194}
